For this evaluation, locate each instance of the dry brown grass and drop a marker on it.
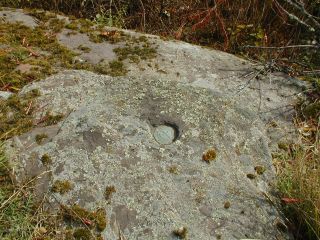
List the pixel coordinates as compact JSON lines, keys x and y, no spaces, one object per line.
{"x":299,"y":180}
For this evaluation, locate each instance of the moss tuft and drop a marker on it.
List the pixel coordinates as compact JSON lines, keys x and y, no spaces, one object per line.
{"x":209,"y":155}
{"x":173,"y":169}
{"x":82,"y":234}
{"x":227,"y":205}
{"x":81,"y":215}
{"x":251,"y":176}
{"x":40,"y":137}
{"x":62,"y":186}
{"x":46,"y":159}
{"x":108,"y":192}
{"x":259,"y":169}
{"x":101,"y":219}
{"x":181,"y":232}
{"x":51,"y":119}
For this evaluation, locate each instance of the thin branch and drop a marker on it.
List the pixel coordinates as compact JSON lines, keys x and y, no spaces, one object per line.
{"x":283,"y":47}
{"x":143,"y":15}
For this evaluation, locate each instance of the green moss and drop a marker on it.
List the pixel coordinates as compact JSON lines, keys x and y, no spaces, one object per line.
{"x":283,"y":146}
{"x":84,"y":48}
{"x":115,"y":68}
{"x":251,"y":176}
{"x":46,"y":159}
{"x":312,"y":110}
{"x":23,"y":45}
{"x":61,"y":186}
{"x":227,"y":205}
{"x":51,"y":119}
{"x":132,"y":52}
{"x":73,"y":25}
{"x":78,"y":214}
{"x":56,"y":25}
{"x":40,"y":137}
{"x":108,"y":192}
{"x":181,"y":232}
{"x":259,"y":169}
{"x":101,"y":219}
{"x":173,"y":169}
{"x":16,"y":114}
{"x":82,"y":234}
{"x":209,"y":155}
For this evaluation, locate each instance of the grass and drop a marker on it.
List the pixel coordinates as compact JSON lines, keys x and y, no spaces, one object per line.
{"x":16,"y":215}
{"x":298,"y":169}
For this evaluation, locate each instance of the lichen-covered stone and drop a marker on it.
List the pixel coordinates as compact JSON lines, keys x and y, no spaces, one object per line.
{"x":106,"y":138}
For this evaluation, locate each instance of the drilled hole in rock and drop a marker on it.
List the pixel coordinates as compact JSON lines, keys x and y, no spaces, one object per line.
{"x":166,"y":133}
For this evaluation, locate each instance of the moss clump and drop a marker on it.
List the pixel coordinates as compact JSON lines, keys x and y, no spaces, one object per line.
{"x":83,"y":234}
{"x":227,"y":205}
{"x":283,"y":146}
{"x":62,"y":186}
{"x":312,"y":110}
{"x":101,"y":219}
{"x":209,"y":155}
{"x":51,"y":119}
{"x":84,"y":48}
{"x":16,"y":114}
{"x":115,"y":68}
{"x":181,"y":232}
{"x":46,"y":159}
{"x":23,"y":45}
{"x":259,"y":169}
{"x":72,"y":25}
{"x":80,"y":215}
{"x":251,"y":176}
{"x":135,"y":52}
{"x":108,"y":192}
{"x":40,"y":137}
{"x":173,"y":169}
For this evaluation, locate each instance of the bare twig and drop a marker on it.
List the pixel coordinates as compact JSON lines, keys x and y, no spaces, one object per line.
{"x":283,"y":47}
{"x":143,"y":16}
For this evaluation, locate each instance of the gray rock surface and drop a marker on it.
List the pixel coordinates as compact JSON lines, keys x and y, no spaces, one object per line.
{"x":110,"y":137}
{"x":5,"y":94}
{"x":17,"y":15}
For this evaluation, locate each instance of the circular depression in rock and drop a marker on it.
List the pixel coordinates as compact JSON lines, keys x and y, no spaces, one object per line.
{"x":164,"y":134}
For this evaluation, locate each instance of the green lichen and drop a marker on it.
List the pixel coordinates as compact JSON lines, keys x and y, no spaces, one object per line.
{"x":40,"y":137}
{"x":61,"y":186}
{"x":46,"y":159}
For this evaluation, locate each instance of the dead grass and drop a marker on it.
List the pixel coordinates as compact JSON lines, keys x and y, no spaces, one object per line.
{"x":298,"y":170}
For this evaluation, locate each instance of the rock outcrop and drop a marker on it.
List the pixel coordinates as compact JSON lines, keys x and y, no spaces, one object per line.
{"x":183,"y":139}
